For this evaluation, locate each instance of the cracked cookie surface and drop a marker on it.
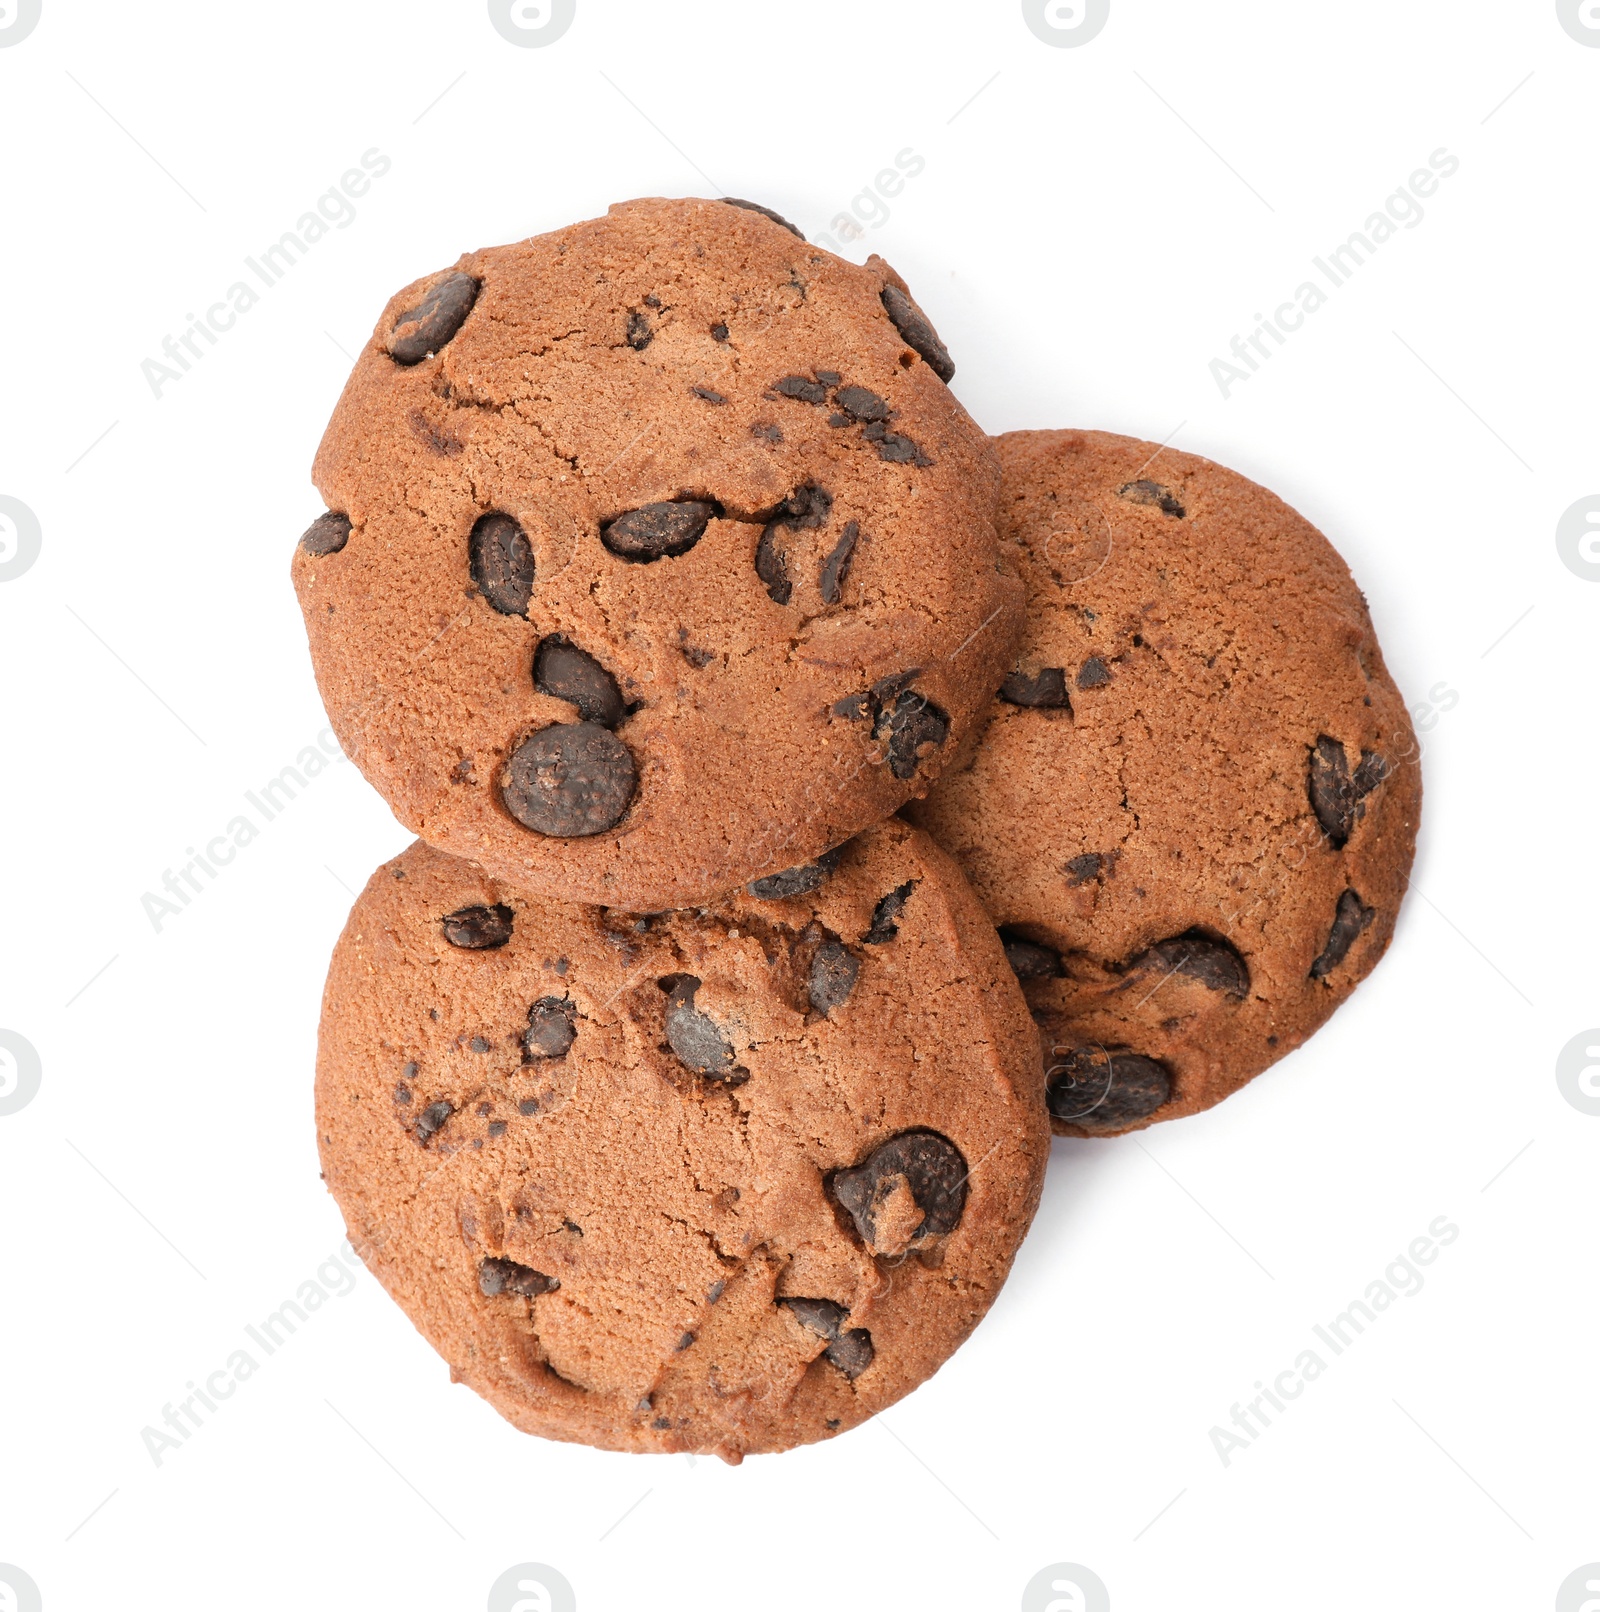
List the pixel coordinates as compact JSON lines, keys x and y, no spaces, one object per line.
{"x":1194,"y":810}
{"x":724,"y":471}
{"x":726,"y":1180}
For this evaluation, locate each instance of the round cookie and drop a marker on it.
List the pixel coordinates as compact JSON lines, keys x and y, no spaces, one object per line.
{"x":1194,"y":810}
{"x":725,"y":1180}
{"x":658,"y":555}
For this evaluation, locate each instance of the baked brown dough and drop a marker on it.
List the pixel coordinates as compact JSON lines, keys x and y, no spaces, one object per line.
{"x":1194,"y":810}
{"x":658,"y":555}
{"x":724,"y":1180}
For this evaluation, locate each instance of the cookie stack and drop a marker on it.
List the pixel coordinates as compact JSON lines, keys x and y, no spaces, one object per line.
{"x":684,"y":1095}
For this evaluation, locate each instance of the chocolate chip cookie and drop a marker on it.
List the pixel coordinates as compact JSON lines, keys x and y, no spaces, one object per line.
{"x":658,"y":555}
{"x":1194,"y":810}
{"x":727,"y":1180}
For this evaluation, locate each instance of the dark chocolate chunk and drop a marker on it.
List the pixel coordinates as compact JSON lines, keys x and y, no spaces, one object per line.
{"x":801,"y":388}
{"x":478,"y":1044}
{"x":766,"y":212}
{"x":928,"y":1164}
{"x":1081,"y":869}
{"x":497,"y":1127}
{"x":896,"y":449}
{"x":569,"y":780}
{"x":860,"y":404}
{"x":569,"y":673}
{"x":1198,"y":956}
{"x":402,"y":1094}
{"x":917,"y":333}
{"x":639,"y":335}
{"x":707,"y":395}
{"x":1338,"y":799}
{"x":500,"y":558}
{"x":1046,"y":690}
{"x":853,"y":707}
{"x":1101,"y":1090}
{"x":1349,"y":919}
{"x":427,"y":327}
{"x":719,"y":332}
{"x":828,"y":377}
{"x":910,"y":723}
{"x":885,"y":916}
{"x":830,"y":579}
{"x":478,"y":929}
{"x":834,"y":971}
{"x":807,"y":507}
{"x":772,"y":568}
{"x":800,"y":881}
{"x":654,"y":531}
{"x":1094,"y":673}
{"x":430,"y":1120}
{"x":327,"y":534}
{"x":552,"y":1028}
{"x":851,"y":1352}
{"x":507,"y":1276}
{"x":1153,"y":494}
{"x":1029,"y":960}
{"x":821,"y":1316}
{"x":694,"y":1036}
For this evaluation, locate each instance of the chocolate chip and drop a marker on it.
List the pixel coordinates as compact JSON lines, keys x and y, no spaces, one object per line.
{"x":806,"y":508}
{"x":694,"y":1036}
{"x":402,"y":1094}
{"x":860,"y":404}
{"x":552,"y":1028}
{"x":478,"y":929}
{"x":654,"y":531}
{"x":1198,"y":956}
{"x":497,"y":1127}
{"x":1045,"y":691}
{"x":1081,"y":869}
{"x":1153,"y":494}
{"x":715,"y":1292}
{"x":327,"y":534}
{"x":506,"y":1276}
{"x":569,"y":780}
{"x":1101,"y":1090}
{"x":766,"y":431}
{"x":830,"y":579}
{"x":1338,"y":799}
{"x":478,"y":1044}
{"x":929,"y":1165}
{"x":885,"y":916}
{"x":1349,"y":919}
{"x":430,"y":1121}
{"x":562,"y":669}
{"x":1094,"y":673}
{"x":821,"y":1316}
{"x":910,"y":723}
{"x":834,"y":971}
{"x":917,"y":333}
{"x":500,"y":558}
{"x":410,"y":1070}
{"x":853,"y":707}
{"x":1028,"y":959}
{"x":707,"y":395}
{"x":839,"y":421}
{"x":801,"y":388}
{"x":427,"y":327}
{"x":719,"y":332}
{"x":639,"y":335}
{"x":851,"y":1352}
{"x":766,"y":212}
{"x":800,"y":881}
{"x":828,"y":377}
{"x":896,"y":449}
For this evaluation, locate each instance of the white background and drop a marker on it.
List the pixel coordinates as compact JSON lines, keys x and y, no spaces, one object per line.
{"x":1088,"y":233}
